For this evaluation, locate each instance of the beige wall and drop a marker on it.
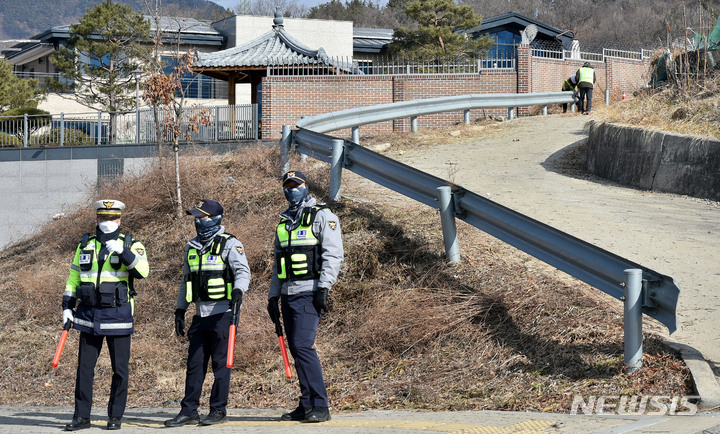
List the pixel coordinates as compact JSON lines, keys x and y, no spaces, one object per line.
{"x":335,"y":37}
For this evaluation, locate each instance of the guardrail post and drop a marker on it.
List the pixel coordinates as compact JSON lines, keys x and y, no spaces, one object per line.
{"x":466,"y":116}
{"x":285,"y":149}
{"x":356,"y":135}
{"x":413,"y":124}
{"x":338,"y":147}
{"x":633,"y":319}
{"x":607,"y":96}
{"x":544,"y":110}
{"x":511,"y":113}
{"x":449,"y":229}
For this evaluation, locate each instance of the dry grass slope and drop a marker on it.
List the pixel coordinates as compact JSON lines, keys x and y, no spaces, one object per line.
{"x":404,"y":331}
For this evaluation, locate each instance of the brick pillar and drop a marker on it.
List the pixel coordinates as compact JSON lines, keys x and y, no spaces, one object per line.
{"x":609,"y":75}
{"x":398,"y":90}
{"x":524,"y":74}
{"x":266,"y":131}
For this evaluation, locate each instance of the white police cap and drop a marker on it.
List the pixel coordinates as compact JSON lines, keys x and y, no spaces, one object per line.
{"x":109,"y":207}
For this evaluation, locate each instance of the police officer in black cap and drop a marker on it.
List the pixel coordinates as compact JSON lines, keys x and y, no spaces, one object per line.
{"x":215,"y":276}
{"x":308,"y":254}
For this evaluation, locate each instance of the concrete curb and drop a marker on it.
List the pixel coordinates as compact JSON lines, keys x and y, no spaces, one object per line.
{"x":703,"y":377}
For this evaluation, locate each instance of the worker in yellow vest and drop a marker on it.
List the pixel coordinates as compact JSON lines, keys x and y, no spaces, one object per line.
{"x":586,"y":80}
{"x":569,"y":85}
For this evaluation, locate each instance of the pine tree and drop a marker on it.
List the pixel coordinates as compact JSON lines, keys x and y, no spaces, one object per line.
{"x":99,"y":57}
{"x":440,"y":32}
{"x":16,"y":92}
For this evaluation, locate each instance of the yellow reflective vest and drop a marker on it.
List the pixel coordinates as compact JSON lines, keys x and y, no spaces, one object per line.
{"x":210,"y":276}
{"x":106,"y":292}
{"x":299,"y":255}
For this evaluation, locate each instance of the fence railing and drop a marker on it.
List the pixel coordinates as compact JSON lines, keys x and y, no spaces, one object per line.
{"x":502,"y":59}
{"x":637,"y":286}
{"x":590,"y":56}
{"x":229,"y":122}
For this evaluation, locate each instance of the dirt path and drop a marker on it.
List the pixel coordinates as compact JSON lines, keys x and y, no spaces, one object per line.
{"x":520,"y":166}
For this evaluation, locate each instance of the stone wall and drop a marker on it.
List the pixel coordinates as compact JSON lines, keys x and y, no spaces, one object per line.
{"x":655,"y":160}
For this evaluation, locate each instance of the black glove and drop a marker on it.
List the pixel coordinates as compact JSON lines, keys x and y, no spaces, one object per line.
{"x":236,"y":299}
{"x":180,"y":322}
{"x":274,"y":309}
{"x":320,"y":299}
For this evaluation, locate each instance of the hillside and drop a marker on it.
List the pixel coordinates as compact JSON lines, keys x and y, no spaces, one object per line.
{"x":24,"y":19}
{"x":405,"y":330}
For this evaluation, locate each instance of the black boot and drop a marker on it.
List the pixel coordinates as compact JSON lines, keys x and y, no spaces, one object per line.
{"x":214,"y":417}
{"x":181,"y":420}
{"x":318,"y":414}
{"x":78,"y":423}
{"x":114,"y":423}
{"x":298,"y":414}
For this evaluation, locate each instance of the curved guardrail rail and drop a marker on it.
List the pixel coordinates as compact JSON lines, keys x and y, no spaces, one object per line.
{"x":588,"y":263}
{"x":385,"y":112}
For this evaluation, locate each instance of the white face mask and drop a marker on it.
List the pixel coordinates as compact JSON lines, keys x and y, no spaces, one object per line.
{"x":108,"y":226}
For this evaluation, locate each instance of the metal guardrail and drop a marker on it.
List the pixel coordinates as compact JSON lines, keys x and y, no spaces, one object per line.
{"x":586,"y":262}
{"x":384,"y":112}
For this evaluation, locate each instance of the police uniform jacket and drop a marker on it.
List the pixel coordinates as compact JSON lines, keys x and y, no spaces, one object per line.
{"x":233,"y":255}
{"x":102,"y":281}
{"x":326,"y":228}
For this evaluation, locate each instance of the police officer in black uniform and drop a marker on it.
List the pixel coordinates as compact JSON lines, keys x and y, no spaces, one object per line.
{"x":101,"y":278}
{"x":215,"y":276}
{"x":308,"y":254}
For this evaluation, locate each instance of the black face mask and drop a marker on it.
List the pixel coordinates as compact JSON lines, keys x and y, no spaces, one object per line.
{"x":206,"y":228}
{"x":296,"y":195}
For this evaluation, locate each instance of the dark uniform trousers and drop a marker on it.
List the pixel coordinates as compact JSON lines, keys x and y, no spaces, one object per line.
{"x":89,"y":350}
{"x":301,"y":320}
{"x":586,"y":95}
{"x":208,"y":338}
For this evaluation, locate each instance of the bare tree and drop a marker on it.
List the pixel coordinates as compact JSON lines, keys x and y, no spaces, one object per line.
{"x":165,"y":92}
{"x":289,"y":8}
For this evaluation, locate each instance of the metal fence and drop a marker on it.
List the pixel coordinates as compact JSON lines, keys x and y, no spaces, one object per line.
{"x":500,"y":59}
{"x":228,"y":122}
{"x":539,"y":51}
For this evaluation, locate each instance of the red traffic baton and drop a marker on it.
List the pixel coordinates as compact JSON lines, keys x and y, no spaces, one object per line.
{"x":286,"y":362}
{"x":279,"y":333}
{"x":61,"y":344}
{"x":231,"y":339}
{"x":231,"y":346}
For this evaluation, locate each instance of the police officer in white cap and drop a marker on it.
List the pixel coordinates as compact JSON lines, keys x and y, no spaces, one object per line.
{"x":102,"y":281}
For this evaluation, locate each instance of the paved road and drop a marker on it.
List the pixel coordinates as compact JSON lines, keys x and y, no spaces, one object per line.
{"x":52,"y":419}
{"x":674,"y":235}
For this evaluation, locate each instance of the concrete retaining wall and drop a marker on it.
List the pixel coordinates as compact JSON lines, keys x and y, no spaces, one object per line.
{"x":655,"y":160}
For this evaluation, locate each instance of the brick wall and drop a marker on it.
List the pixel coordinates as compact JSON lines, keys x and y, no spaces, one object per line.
{"x":287,"y":99}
